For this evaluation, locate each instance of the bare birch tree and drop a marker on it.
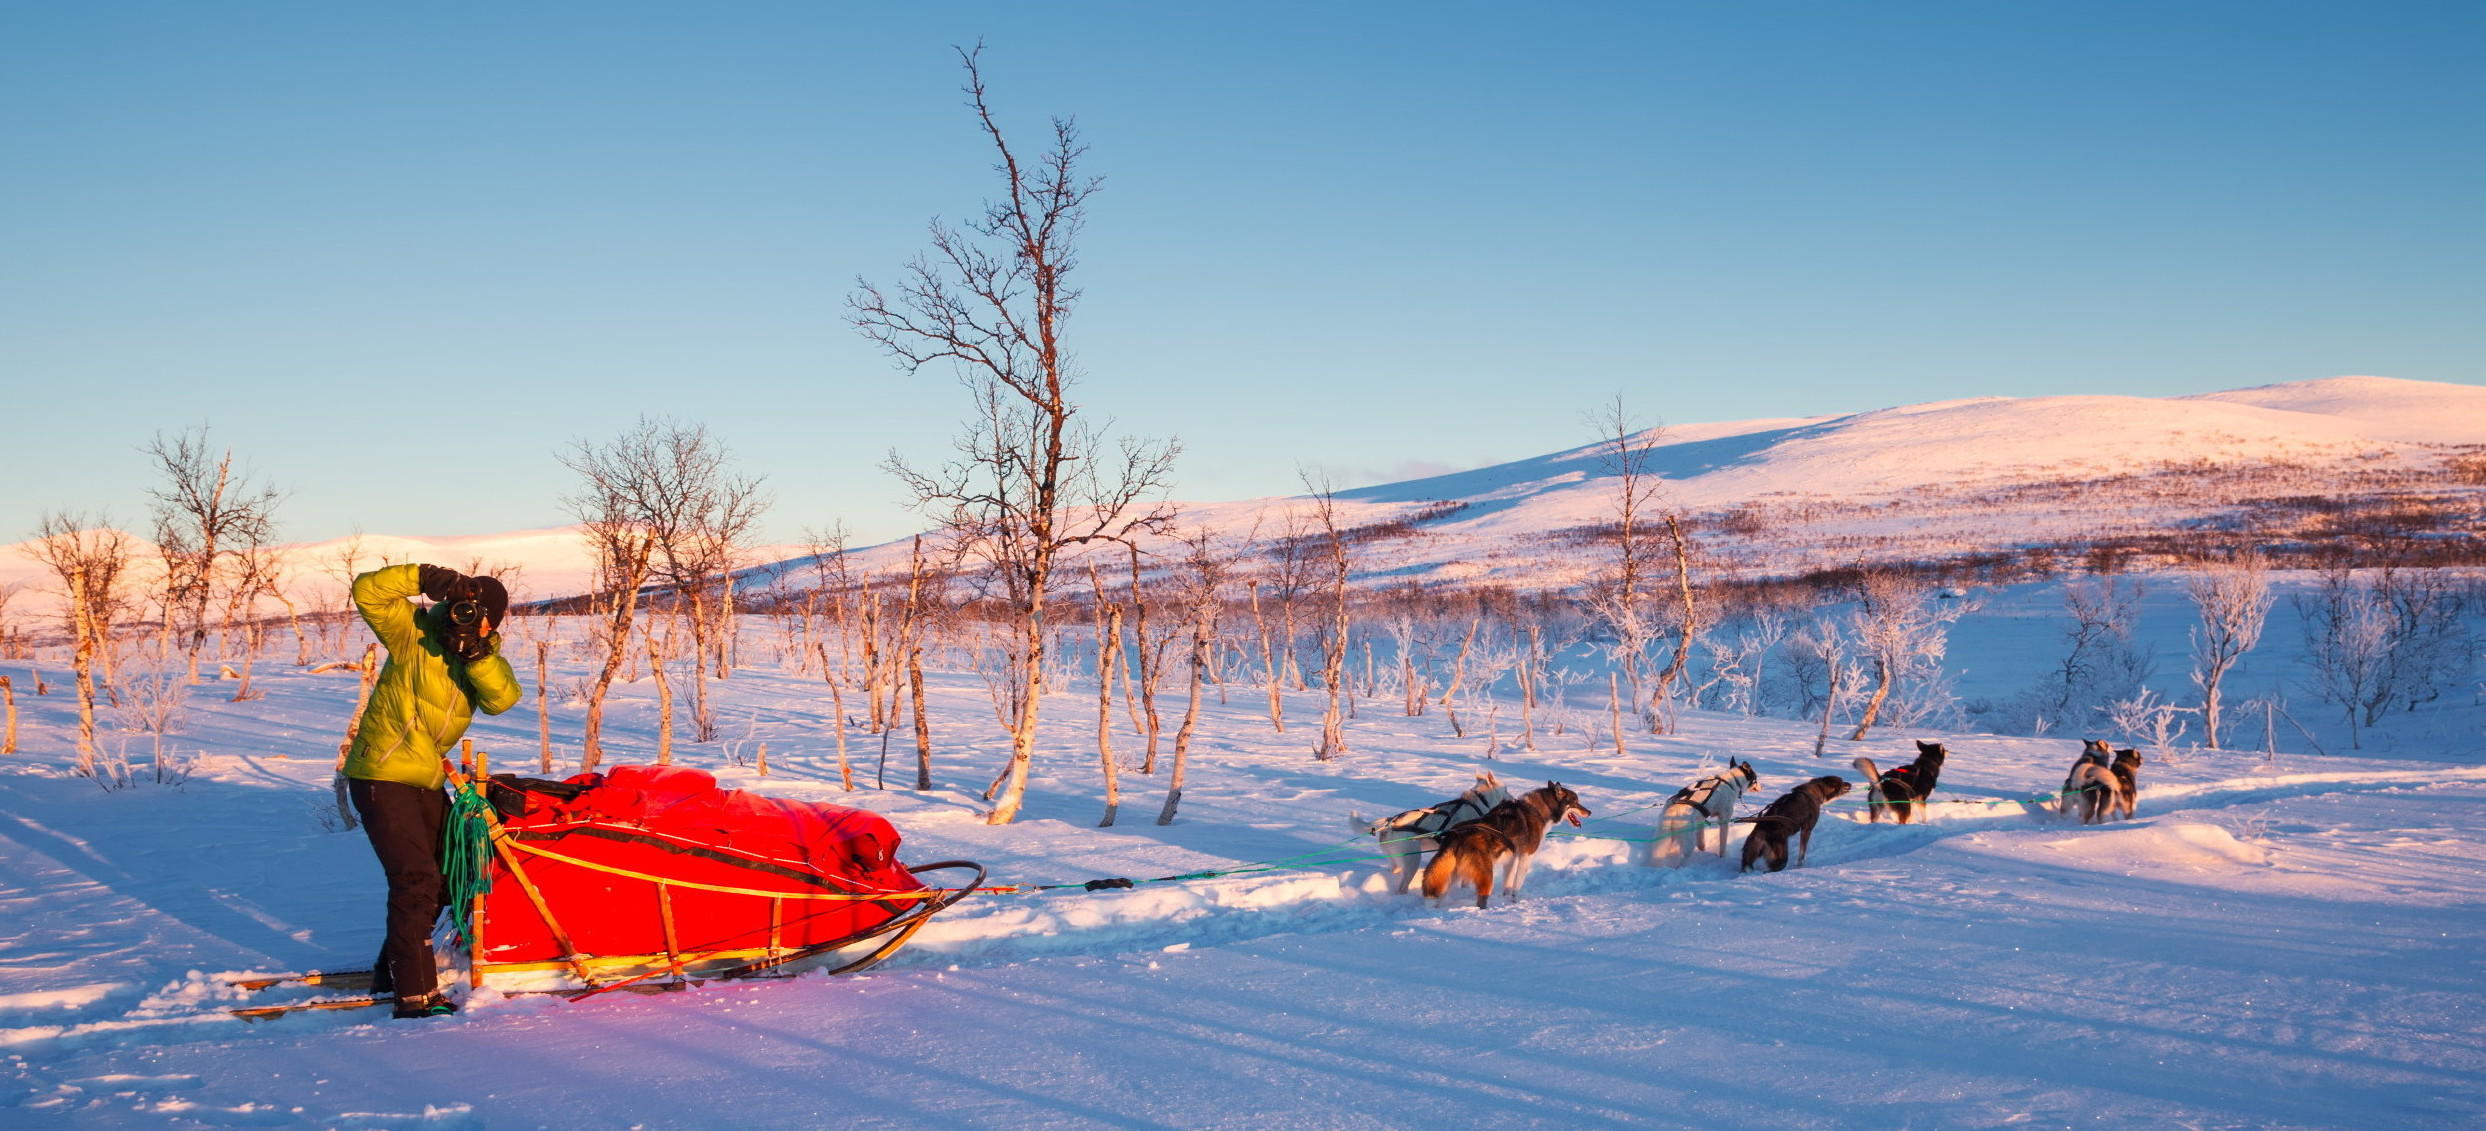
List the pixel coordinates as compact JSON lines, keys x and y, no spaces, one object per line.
{"x":88,"y":558}
{"x":1901,"y":636}
{"x":1204,"y":571}
{"x":1627,"y":452}
{"x":617,"y":480}
{"x":1334,"y":653}
{"x":1031,"y":478}
{"x":202,"y":513}
{"x":2233,"y":599}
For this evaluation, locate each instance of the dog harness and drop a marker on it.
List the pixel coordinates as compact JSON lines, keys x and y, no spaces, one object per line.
{"x":1434,"y":818}
{"x":1698,"y":793}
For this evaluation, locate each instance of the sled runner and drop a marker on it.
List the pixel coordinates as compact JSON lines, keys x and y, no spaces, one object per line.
{"x":652,"y":872}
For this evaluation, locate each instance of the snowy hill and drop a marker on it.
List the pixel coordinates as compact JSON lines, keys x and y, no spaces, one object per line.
{"x":1954,"y":477}
{"x":1931,"y":482}
{"x":1785,"y":495}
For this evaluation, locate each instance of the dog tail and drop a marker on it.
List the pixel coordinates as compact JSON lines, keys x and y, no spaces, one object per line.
{"x":1357,"y":824}
{"x":1873,"y":777}
{"x":1439,"y":871}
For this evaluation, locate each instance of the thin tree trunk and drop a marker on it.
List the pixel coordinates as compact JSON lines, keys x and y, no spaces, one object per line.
{"x":1191,"y":716}
{"x":617,"y":632}
{"x":923,"y":724}
{"x":1149,"y":665}
{"x":1873,"y":706}
{"x":703,"y":708}
{"x":872,"y":663}
{"x":1108,"y":658}
{"x":1829,"y":704}
{"x":1683,"y":637}
{"x":83,"y":663}
{"x":837,"y":723}
{"x":913,"y":634}
{"x":1458,"y":677}
{"x":543,"y":705}
{"x":1527,"y":708}
{"x":1614,"y":712}
{"x":664,"y":697}
{"x":1023,"y":736}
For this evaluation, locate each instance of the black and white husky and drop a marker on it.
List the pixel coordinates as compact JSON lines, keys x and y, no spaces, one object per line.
{"x":1700,"y":805}
{"x":1408,"y":837}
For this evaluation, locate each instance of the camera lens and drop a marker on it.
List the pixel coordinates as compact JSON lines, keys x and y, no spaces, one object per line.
{"x":465,"y":614}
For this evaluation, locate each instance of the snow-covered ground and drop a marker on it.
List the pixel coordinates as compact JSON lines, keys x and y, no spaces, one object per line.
{"x":2274,"y":942}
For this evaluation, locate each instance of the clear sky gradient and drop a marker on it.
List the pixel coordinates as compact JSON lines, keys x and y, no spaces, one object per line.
{"x":399,"y":255}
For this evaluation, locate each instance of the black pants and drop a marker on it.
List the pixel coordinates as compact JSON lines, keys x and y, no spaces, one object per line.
{"x":404,"y":823}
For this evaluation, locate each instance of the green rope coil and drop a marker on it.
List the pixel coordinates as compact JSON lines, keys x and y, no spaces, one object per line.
{"x":466,"y":856}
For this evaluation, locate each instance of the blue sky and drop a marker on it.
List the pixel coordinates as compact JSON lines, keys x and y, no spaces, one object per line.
{"x":399,"y":256}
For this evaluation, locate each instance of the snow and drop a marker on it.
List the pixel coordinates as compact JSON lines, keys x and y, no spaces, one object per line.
{"x":2281,"y":941}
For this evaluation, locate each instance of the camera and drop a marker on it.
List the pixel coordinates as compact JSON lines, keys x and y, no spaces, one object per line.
{"x":465,"y":612}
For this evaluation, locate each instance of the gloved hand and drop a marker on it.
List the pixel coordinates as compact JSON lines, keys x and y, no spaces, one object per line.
{"x":473,"y":649}
{"x":437,"y":581}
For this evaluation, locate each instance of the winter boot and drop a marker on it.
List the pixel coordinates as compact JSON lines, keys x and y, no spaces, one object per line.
{"x":431,"y":1005}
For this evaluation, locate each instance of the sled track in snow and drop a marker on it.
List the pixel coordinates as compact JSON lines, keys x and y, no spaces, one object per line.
{"x":1235,"y":909}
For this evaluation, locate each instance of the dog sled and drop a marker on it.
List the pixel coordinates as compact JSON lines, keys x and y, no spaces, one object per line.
{"x":653,"y":877}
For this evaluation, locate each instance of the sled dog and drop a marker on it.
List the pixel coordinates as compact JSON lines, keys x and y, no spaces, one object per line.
{"x":2093,"y":791}
{"x":2127,"y":770}
{"x":1905,"y":790}
{"x":1508,"y":836}
{"x":2093,"y":754}
{"x":1711,"y":800}
{"x":1406,"y":837}
{"x":1793,"y":814}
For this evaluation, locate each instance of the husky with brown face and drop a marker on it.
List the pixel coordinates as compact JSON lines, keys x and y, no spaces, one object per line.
{"x":1508,"y":837}
{"x":1405,"y":838}
{"x":1791,"y":815}
{"x":1906,"y":789}
{"x":1700,"y":805}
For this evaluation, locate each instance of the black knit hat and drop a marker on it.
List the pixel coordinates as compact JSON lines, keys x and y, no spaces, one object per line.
{"x":493,"y":596}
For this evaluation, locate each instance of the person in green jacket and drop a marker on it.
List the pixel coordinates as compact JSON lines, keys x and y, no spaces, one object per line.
{"x":444,"y":663}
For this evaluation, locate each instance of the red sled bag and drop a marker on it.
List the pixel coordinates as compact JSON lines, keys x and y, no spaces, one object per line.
{"x":650,"y":868}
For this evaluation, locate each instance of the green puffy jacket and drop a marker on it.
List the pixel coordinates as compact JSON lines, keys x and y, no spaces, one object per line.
{"x":426,"y":695}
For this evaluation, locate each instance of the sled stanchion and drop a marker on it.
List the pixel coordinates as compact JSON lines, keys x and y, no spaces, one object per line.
{"x":474,"y":914}
{"x":499,"y":839}
{"x":673,"y":941}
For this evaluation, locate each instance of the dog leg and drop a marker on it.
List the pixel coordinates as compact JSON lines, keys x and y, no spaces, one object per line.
{"x":1410,"y":859}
